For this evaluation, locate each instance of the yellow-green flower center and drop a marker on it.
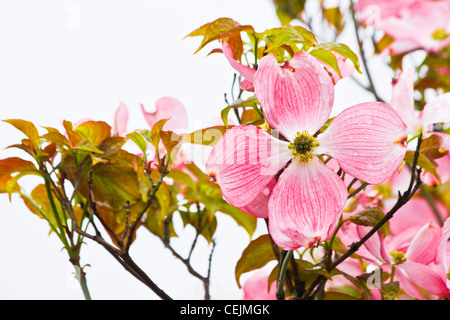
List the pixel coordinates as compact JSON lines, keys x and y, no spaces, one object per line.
{"x":303,"y":146}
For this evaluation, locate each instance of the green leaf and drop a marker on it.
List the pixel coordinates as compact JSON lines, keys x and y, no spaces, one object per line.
{"x":422,"y":162}
{"x":288,"y":10}
{"x":57,"y":138}
{"x":390,"y":290}
{"x":219,"y":29}
{"x":370,"y":218}
{"x":343,"y":50}
{"x":252,"y":116}
{"x":207,"y":136}
{"x":326,"y":57}
{"x":155,"y":133}
{"x":257,"y":254}
{"x":197,"y":172}
{"x":290,"y":36}
{"x":171,"y":142}
{"x":224,"y":115}
{"x":114,"y":184}
{"x":334,"y":18}
{"x":181,"y":177}
{"x":245,"y":220}
{"x":139,"y":140}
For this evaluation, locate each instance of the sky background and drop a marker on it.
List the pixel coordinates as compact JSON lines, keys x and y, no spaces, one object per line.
{"x":77,"y":59}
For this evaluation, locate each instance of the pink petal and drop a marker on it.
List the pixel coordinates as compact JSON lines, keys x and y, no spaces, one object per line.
{"x":295,"y":97}
{"x":366,"y":140}
{"x":375,"y":244}
{"x":425,"y":277}
{"x":436,"y":111}
{"x":399,"y":47}
{"x":259,"y":207}
{"x":418,"y":22}
{"x":424,"y":245}
{"x":346,"y":68}
{"x":348,"y":234}
{"x":247,"y":86}
{"x":245,"y":71}
{"x":402,"y":99}
{"x":305,"y":204}
{"x":256,"y":287}
{"x":120,"y":120}
{"x":443,"y":247}
{"x":442,"y":169}
{"x":374,"y":10}
{"x":407,"y":285}
{"x":401,"y":241}
{"x":414,"y":214}
{"x":168,"y":108}
{"x":244,"y":161}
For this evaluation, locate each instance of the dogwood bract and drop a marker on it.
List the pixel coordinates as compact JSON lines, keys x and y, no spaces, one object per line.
{"x":367,"y":141}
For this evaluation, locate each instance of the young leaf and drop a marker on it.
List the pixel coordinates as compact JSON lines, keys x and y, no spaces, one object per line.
{"x":207,"y":136}
{"x":326,"y":57}
{"x":155,"y":133}
{"x":257,"y":254}
{"x":221,"y":28}
{"x":139,"y":140}
{"x":423,"y":162}
{"x":370,"y":218}
{"x":12,"y":165}
{"x":431,"y":147}
{"x":28,"y":128}
{"x":94,"y":131}
{"x":343,"y":50}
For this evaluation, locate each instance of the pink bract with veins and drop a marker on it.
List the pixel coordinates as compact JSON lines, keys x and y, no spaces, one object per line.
{"x":366,"y":140}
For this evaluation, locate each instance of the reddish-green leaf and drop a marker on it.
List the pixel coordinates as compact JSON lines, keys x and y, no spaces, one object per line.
{"x":94,"y":131}
{"x":221,"y":28}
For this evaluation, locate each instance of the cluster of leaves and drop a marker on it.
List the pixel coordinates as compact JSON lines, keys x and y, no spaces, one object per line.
{"x":283,"y":42}
{"x":89,"y":177}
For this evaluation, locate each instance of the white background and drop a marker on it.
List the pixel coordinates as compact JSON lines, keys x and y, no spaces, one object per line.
{"x":77,"y":59}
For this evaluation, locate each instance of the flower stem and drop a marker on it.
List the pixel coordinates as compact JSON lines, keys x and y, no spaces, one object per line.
{"x":282,"y":276}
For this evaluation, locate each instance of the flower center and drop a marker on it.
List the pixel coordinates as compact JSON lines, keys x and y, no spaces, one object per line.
{"x":303,"y":146}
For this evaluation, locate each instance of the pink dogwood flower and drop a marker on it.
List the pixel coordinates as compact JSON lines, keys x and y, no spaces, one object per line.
{"x":168,"y":108}
{"x":422,"y":259}
{"x":367,"y":141}
{"x":436,"y":111}
{"x":120,"y":121}
{"x":413,"y":24}
{"x":256,"y":287}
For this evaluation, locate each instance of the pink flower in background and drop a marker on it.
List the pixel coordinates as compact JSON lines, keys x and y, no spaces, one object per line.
{"x":423,"y":24}
{"x":168,"y":108}
{"x":119,"y":127}
{"x":423,"y":256}
{"x":366,"y":140}
{"x":436,"y":111}
{"x":120,"y":120}
{"x":256,"y":287}
{"x":172,"y":109}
